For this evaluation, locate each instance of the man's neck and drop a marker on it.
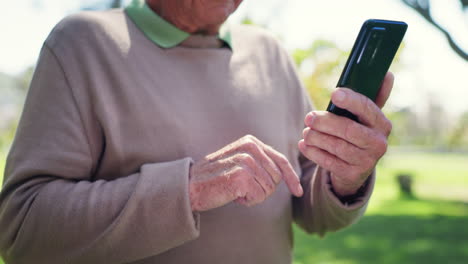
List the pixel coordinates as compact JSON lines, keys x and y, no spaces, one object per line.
{"x":169,"y":11}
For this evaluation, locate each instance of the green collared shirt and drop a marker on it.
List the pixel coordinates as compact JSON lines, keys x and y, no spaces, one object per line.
{"x":158,"y":30}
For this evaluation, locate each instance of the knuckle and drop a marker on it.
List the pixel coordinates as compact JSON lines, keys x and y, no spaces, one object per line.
{"x":276,"y":176}
{"x":248,"y":137}
{"x":271,"y":187}
{"x":267,"y":184}
{"x":342,"y":167}
{"x":312,"y":154}
{"x":363,"y":103}
{"x":257,"y":192}
{"x":381,"y":145}
{"x":252,"y":137}
{"x":237,"y":184}
{"x":388,"y":126}
{"x":305,"y":132}
{"x":238,"y":174}
{"x":246,"y":159}
{"x":267,"y":193}
{"x":236,"y":190}
{"x":283,"y":162}
{"x":250,"y":145}
{"x":350,"y":130}
{"x":283,"y":158}
{"x":310,"y":137}
{"x":250,"y":140}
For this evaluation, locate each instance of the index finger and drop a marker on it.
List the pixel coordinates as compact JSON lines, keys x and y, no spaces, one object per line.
{"x":287,"y":171}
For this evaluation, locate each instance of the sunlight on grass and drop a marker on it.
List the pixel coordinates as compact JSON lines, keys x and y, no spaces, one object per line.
{"x":436,"y":168}
{"x":440,"y":176}
{"x":430,"y":228}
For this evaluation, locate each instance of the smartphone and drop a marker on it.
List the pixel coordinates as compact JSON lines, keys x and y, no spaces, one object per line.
{"x":371,"y":56}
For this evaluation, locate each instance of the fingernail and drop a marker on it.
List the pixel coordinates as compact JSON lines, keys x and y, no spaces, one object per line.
{"x":339,"y":96}
{"x":300,"y":191}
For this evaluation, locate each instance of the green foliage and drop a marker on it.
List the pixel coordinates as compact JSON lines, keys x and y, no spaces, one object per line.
{"x":7,"y":81}
{"x":407,"y":128}
{"x":7,"y":133}
{"x":13,"y":93}
{"x":432,"y":130}
{"x":24,"y":79}
{"x":326,"y":61}
{"x":247,"y":21}
{"x":459,"y":135}
{"x":391,"y":239}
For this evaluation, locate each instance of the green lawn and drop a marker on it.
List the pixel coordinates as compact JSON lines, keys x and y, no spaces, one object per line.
{"x":431,"y":228}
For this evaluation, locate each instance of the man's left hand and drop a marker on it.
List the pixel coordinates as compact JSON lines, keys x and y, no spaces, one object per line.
{"x":349,"y":150}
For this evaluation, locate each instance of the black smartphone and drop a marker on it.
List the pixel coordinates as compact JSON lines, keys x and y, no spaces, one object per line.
{"x":371,"y":56}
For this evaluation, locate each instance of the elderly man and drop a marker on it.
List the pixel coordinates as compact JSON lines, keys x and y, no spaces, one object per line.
{"x":148,"y":137}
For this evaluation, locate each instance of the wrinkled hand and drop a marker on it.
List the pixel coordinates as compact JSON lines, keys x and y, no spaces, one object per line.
{"x":349,"y":150}
{"x":246,"y":171}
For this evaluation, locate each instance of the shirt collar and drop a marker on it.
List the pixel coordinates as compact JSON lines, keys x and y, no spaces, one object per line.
{"x":160,"y":31}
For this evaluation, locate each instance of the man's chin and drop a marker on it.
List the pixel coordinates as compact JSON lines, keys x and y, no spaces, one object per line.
{"x":217,"y":17}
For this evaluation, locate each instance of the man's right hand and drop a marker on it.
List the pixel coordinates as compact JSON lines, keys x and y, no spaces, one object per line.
{"x":246,"y":171}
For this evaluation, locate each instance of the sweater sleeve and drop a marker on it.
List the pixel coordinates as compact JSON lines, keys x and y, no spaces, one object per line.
{"x":319,"y":210}
{"x":51,"y":209}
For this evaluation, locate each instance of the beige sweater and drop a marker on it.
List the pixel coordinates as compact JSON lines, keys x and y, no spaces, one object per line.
{"x":98,"y":172}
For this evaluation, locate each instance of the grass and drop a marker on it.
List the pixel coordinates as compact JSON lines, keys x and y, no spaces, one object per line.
{"x":430,"y":228}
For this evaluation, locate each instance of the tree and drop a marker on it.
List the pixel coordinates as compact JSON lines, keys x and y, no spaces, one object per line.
{"x":24,"y":79}
{"x":320,"y":66}
{"x":407,"y":128}
{"x":423,"y":7}
{"x":436,"y":120}
{"x":458,"y":138}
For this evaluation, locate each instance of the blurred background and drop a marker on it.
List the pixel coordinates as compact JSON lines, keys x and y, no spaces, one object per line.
{"x":419,"y":210}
